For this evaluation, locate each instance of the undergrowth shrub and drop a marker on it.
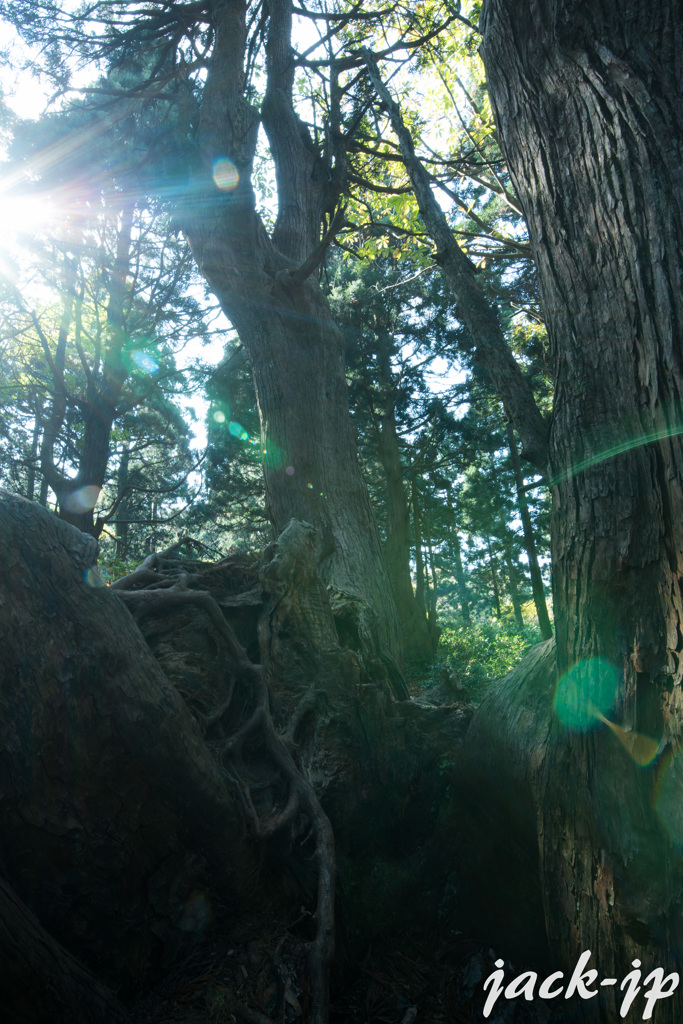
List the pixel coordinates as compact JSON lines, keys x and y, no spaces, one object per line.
{"x":471,"y":655}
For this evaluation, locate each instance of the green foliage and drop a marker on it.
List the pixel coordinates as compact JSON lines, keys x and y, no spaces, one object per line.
{"x":475,"y":654}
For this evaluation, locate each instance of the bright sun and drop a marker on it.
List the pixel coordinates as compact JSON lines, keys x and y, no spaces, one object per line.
{"x":24,"y":214}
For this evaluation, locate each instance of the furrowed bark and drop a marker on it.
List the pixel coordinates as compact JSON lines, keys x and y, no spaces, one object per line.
{"x":587,"y":100}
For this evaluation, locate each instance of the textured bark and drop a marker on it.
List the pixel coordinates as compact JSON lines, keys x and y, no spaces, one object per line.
{"x":118,"y":830}
{"x":282,"y":317}
{"x":587,"y":99}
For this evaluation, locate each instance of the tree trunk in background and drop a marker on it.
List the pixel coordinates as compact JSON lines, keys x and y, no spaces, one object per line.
{"x":494,"y":579}
{"x":397,"y":545}
{"x":123,"y":510}
{"x":588,"y":102}
{"x":420,"y":588}
{"x":279,"y":310}
{"x":432,"y":589}
{"x":463,"y":593}
{"x":76,"y":496}
{"x":513,"y":587}
{"x":537,"y":588}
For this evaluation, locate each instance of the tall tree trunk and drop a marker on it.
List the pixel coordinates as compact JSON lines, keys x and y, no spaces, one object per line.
{"x":494,"y":579}
{"x":267,"y":287}
{"x":463,"y":592}
{"x":76,"y":496}
{"x":513,"y":587}
{"x":588,"y":101}
{"x":397,"y":545}
{"x":432,"y":596}
{"x":123,"y":511}
{"x":537,"y":588}
{"x":420,"y":587}
{"x":481,"y":319}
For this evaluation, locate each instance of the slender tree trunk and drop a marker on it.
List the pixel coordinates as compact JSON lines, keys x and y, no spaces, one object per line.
{"x":491,"y":350}
{"x":123,"y":511}
{"x":494,"y":579}
{"x":420,"y":587}
{"x":463,"y":592}
{"x":35,"y":455}
{"x":537,"y":588}
{"x":513,"y":588}
{"x":588,"y":102}
{"x":397,"y":545}
{"x":76,"y":496}
{"x":433,"y":593}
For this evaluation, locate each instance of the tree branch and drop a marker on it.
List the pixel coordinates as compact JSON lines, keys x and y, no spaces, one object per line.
{"x":491,"y":349}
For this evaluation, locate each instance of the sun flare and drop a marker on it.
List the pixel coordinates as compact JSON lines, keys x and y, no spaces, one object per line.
{"x":23,"y":214}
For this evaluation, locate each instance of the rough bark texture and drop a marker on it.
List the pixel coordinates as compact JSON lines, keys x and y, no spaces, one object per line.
{"x":118,"y":830}
{"x":282,"y":317}
{"x":588,"y":102}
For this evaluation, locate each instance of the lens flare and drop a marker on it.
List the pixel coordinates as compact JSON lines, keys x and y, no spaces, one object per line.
{"x":95,"y":578}
{"x":82,"y":500}
{"x":143,"y":361}
{"x":584,"y":692}
{"x":225,"y":174}
{"x":617,"y":449}
{"x":669,"y":798}
{"x":238,"y":431}
{"x":290,"y":471}
{"x":219,"y":416}
{"x":643,"y":749}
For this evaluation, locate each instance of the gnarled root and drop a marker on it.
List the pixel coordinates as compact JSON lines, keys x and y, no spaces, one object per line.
{"x":255,"y":756}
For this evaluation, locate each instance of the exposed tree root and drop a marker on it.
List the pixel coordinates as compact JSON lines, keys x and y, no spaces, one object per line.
{"x":165,"y":581}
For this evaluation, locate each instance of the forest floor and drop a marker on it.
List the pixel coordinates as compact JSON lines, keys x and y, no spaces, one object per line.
{"x":253,"y":976}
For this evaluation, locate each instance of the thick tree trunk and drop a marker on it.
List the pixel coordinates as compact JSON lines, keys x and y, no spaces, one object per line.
{"x":271,"y":296}
{"x":588,"y":102}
